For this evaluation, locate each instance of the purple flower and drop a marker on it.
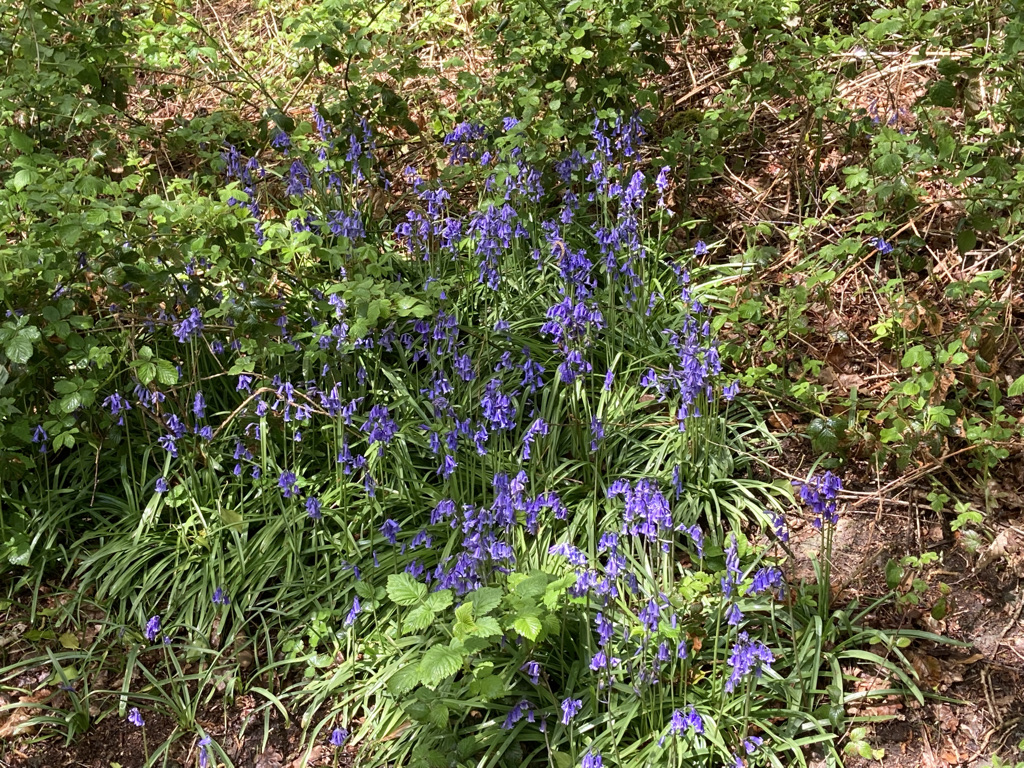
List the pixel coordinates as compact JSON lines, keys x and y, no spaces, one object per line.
{"x":779,"y":526}
{"x":881,"y":246}
{"x":161,"y":485}
{"x":135,"y":717}
{"x":592,"y":760}
{"x":390,"y":530}
{"x":350,"y":619}
{"x":189,"y":327}
{"x":313,"y":507}
{"x":117,"y":405}
{"x":516,"y":714}
{"x":819,"y":493}
{"x":751,"y":745}
{"x":747,"y":656}
{"x":700,"y":248}
{"x":199,"y":405}
{"x":288,"y":485}
{"x":244,"y":382}
{"x":732,"y":567}
{"x":153,"y":629}
{"x":338,"y":737}
{"x":204,"y":756}
{"x":219,"y":598}
{"x":532,"y":670}
{"x":39,"y":436}
{"x":380,"y":427}
{"x":570,"y":708}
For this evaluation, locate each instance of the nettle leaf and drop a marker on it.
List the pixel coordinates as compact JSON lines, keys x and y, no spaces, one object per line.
{"x":486,"y":599}
{"x":403,"y":589}
{"x":439,"y":662}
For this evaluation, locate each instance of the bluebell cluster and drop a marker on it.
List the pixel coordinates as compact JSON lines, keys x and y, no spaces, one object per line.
{"x":572,"y":236}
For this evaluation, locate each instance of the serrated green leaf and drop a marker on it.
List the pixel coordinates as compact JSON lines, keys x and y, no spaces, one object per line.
{"x":403,"y":589}
{"x":417,"y":619}
{"x":438,"y":601}
{"x":533,"y":585}
{"x":486,"y":599}
{"x":487,"y":626}
{"x":439,"y":662}
{"x":528,"y":625}
{"x":404,"y":680}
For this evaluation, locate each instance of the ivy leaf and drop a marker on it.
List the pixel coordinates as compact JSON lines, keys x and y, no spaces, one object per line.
{"x":439,"y":662}
{"x":403,"y":589}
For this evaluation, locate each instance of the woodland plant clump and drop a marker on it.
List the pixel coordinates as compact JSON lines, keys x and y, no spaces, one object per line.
{"x":469,"y":464}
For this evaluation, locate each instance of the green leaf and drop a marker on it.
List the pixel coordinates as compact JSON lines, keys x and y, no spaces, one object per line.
{"x":888,"y":164}
{"x":438,"y":601}
{"x":942,"y":93}
{"x":528,"y":625}
{"x":166,"y":372}
{"x":966,"y":240}
{"x":533,"y":585}
{"x":487,"y":626}
{"x":439,"y":662}
{"x":20,"y":141}
{"x":1017,"y":388}
{"x":18,"y":349}
{"x":403,"y":589}
{"x":404,"y":680}
{"x":486,"y":599}
{"x":418,"y":618}
{"x":893,"y":574}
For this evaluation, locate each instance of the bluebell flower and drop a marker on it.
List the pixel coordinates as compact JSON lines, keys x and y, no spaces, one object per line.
{"x":152,"y":631}
{"x":700,"y":248}
{"x":570,"y":708}
{"x":287,"y":482}
{"x":779,"y":526}
{"x":516,"y":714}
{"x":752,"y":744}
{"x":40,"y":437}
{"x":161,"y":485}
{"x":117,"y":405}
{"x":350,"y":619}
{"x":732,"y":567}
{"x":190,"y":327}
{"x":313,"y":507}
{"x":219,"y":597}
{"x":135,"y":717}
{"x":204,"y":757}
{"x":592,"y":759}
{"x":882,"y":246}
{"x":748,"y":656}
{"x":532,"y":670}
{"x":390,"y":530}
{"x":280,"y":140}
{"x":244,"y":382}
{"x":768,"y":577}
{"x":733,"y":615}
{"x":338,"y":737}
{"x":819,"y":493}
